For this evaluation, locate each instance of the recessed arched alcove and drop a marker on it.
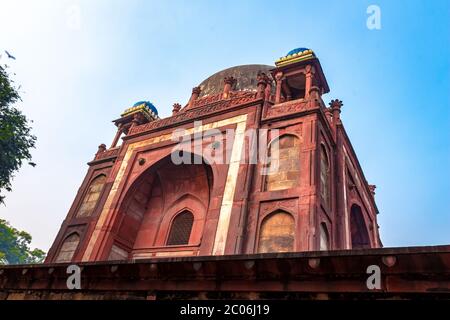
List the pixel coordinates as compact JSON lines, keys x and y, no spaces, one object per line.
{"x":277,"y":233}
{"x":283,"y":168}
{"x":358,"y":229}
{"x":68,"y":248}
{"x":153,"y":201}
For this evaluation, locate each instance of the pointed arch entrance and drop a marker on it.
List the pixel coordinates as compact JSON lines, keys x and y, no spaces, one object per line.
{"x":164,"y":210}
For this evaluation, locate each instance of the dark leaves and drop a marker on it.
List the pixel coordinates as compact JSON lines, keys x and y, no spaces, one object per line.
{"x":16,"y":139}
{"x":15,"y":246}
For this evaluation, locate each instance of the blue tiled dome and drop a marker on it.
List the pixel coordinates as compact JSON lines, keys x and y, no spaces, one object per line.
{"x":148,"y":104}
{"x":296,"y":50}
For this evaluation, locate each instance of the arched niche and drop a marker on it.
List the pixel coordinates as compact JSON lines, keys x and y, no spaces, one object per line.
{"x":68,"y":248}
{"x":325,"y":189}
{"x":283,"y":168}
{"x":277,"y":233}
{"x":358,"y":229}
{"x":324,"y":237}
{"x":91,"y":196}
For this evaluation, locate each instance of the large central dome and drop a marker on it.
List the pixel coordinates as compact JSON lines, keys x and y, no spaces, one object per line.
{"x":245,"y":76}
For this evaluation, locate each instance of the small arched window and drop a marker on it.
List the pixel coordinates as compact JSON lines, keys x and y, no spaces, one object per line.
{"x":68,"y":248}
{"x":91,"y":197}
{"x":277,"y":233}
{"x":324,"y":176}
{"x":324,"y":238}
{"x":283,"y":169}
{"x":181,"y":228}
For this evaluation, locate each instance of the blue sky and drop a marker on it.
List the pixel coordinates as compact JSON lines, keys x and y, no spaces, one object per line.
{"x":77,"y":77}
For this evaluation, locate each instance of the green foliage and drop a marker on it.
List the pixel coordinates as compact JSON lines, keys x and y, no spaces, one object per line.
{"x":16,"y":139}
{"x":15,"y":246}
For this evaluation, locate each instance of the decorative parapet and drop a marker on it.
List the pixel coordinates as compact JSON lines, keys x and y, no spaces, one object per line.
{"x":285,"y":108}
{"x":110,"y":153}
{"x":208,"y":105}
{"x":207,"y":100}
{"x":233,"y":95}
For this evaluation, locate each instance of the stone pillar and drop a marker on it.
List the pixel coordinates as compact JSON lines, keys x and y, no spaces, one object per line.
{"x":117,"y":136}
{"x":314,"y":96}
{"x":286,"y":90}
{"x":135,"y":121}
{"x":176,"y":108}
{"x":228,"y":83}
{"x":309,"y":70}
{"x":194,"y":96}
{"x":278,"y":79}
{"x":314,"y":92}
{"x":263,"y":81}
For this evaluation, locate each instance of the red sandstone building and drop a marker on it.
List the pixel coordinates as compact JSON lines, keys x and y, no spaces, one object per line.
{"x":136,"y":203}
{"x":301,"y":222}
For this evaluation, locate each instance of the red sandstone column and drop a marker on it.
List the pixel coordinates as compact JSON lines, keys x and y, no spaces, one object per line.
{"x":278,"y":78}
{"x":287,"y":91}
{"x":135,"y":121}
{"x":117,"y":136}
{"x":309,"y":70}
{"x":314,"y":96}
{"x":262,"y":84}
